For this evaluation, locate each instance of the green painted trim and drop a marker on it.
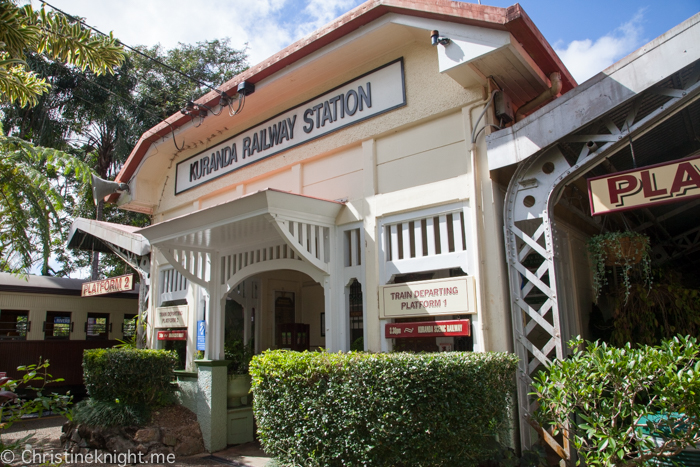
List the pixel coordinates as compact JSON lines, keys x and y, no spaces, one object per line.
{"x":212,"y":362}
{"x":186,"y":374}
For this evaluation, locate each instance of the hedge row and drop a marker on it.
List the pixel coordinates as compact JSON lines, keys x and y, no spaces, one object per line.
{"x":317,"y":408}
{"x":130,"y":376}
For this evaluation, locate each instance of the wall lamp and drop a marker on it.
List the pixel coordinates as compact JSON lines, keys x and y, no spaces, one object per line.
{"x":436,"y":39}
{"x":201,"y":110}
{"x":192,"y":109}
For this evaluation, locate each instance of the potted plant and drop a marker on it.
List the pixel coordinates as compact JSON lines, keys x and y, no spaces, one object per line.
{"x":628,"y":250}
{"x":239,"y":356}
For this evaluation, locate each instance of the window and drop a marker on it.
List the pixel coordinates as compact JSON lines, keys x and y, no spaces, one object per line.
{"x":356,"y":319}
{"x":129,"y":326}
{"x":58,"y":325}
{"x":14,"y":324}
{"x":97,"y":326}
{"x":284,"y":315}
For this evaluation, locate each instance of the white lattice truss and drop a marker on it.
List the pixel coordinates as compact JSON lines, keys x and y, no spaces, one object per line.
{"x":534,"y":189}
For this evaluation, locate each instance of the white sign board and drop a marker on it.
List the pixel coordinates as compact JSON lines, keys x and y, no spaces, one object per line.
{"x":172,"y":316}
{"x":369,"y":95}
{"x":427,"y":298}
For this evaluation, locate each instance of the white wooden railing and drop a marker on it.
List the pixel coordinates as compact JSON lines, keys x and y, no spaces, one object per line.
{"x":173,"y":285}
{"x":426,"y":241}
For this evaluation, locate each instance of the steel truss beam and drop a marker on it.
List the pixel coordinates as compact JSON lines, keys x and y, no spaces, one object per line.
{"x":531,"y":247}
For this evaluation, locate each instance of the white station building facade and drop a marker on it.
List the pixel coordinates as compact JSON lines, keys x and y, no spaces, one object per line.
{"x":351,"y":202}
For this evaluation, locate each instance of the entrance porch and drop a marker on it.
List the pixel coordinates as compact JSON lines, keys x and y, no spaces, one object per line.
{"x":257,"y":270}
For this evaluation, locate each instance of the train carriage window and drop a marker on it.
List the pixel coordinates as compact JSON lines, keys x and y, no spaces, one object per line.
{"x":97,"y":326}
{"x":58,"y":325}
{"x":14,"y":324}
{"x":129,"y":326}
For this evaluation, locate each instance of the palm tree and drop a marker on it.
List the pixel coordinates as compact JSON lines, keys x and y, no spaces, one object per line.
{"x":29,"y":195}
{"x":30,"y":201}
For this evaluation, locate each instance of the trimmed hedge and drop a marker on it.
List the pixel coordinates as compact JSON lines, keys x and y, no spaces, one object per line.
{"x":398,"y":409}
{"x":130,"y":376}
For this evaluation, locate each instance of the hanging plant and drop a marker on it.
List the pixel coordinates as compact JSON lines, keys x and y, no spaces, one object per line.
{"x":628,"y":250}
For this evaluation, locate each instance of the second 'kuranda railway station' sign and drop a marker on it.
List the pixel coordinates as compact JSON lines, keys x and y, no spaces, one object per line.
{"x":369,"y":95}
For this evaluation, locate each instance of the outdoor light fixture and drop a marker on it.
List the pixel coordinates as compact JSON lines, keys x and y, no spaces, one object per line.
{"x":436,"y":39}
{"x":188,"y":109}
{"x":245,"y":88}
{"x":224,"y":100}
{"x":193,"y":110}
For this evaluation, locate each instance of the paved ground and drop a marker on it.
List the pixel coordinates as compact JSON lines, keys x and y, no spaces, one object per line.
{"x":42,"y":435}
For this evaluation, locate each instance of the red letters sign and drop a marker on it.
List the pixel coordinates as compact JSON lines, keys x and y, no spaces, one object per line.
{"x":455,"y":327}
{"x":111,"y":285}
{"x":172,"y":335}
{"x":656,"y":184}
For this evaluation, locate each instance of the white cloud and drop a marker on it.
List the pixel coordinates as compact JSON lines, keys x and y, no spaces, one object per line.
{"x":322,"y":12}
{"x":267,"y":26}
{"x":586,"y":58}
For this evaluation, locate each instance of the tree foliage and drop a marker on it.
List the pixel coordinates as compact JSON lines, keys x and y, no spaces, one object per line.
{"x":30,"y":201}
{"x":23,"y":29}
{"x":13,"y":406}
{"x":99,"y":117}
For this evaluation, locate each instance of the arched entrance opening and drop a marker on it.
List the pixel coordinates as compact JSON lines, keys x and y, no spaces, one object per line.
{"x":275,"y":309}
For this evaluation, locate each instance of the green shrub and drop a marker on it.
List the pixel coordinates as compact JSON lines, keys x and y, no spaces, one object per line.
{"x":238,"y":354}
{"x":625,"y":406}
{"x":14,"y":408}
{"x":323,"y":409}
{"x":133,"y":376}
{"x":105,"y":414}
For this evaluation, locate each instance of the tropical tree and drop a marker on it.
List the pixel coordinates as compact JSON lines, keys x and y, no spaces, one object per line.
{"x":30,"y":201}
{"x":30,"y":197}
{"x":103,"y":117}
{"x":23,"y":29}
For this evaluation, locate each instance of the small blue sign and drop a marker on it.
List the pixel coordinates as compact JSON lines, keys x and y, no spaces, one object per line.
{"x":61,"y":320}
{"x":201,"y":340}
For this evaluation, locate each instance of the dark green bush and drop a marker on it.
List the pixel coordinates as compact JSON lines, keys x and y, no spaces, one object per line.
{"x":100,"y":413}
{"x":132,"y":376}
{"x":396,"y":409}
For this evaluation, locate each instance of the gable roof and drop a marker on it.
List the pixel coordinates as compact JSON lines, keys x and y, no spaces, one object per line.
{"x":512,"y":19}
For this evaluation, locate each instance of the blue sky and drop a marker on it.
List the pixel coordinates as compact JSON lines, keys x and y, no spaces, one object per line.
{"x":588,"y":35}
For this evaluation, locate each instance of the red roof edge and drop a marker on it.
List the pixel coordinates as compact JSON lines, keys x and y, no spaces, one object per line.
{"x":522,"y":28}
{"x":513,"y":19}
